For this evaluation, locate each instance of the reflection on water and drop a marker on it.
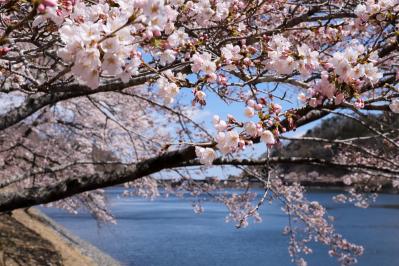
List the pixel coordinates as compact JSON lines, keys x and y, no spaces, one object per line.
{"x":167,"y":232}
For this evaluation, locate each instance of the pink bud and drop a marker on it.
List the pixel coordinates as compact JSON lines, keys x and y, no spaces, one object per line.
{"x":251,"y":103}
{"x":247,"y":61}
{"x":41,"y":8}
{"x":328,"y":65}
{"x":339,"y":98}
{"x":156,"y":33}
{"x":4,"y":50}
{"x":258,"y":107}
{"x":148,"y":34}
{"x":277,"y":108}
{"x":222,"y":80}
{"x":313,"y":102}
{"x":359,"y":104}
{"x":241,"y":144}
{"x":212,"y":77}
{"x":50,"y":3}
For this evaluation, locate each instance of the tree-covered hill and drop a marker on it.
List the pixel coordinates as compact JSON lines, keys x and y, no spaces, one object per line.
{"x":328,"y":132}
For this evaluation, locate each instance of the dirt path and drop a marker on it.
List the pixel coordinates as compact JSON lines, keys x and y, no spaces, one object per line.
{"x":29,"y":238}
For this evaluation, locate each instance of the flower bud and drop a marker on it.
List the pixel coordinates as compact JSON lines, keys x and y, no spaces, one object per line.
{"x":249,"y":112}
{"x":267,"y":137}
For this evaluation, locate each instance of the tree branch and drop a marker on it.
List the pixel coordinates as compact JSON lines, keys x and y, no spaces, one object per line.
{"x":75,"y":185}
{"x":180,"y":158}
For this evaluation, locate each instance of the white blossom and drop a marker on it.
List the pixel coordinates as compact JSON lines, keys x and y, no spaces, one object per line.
{"x":394,"y":106}
{"x":206,"y":155}
{"x":231,"y":52}
{"x":200,"y":95}
{"x":267,"y":137}
{"x":167,"y":57}
{"x":227,"y":142}
{"x":203,"y":62}
{"x":251,"y":128}
{"x":167,"y":90}
{"x":249,"y":111}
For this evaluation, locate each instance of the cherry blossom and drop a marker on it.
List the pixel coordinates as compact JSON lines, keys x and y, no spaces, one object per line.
{"x":252,"y":129}
{"x":231,"y":53}
{"x":203,"y":62}
{"x":394,"y":106}
{"x":267,"y":137}
{"x":309,"y":60}
{"x":219,"y":124}
{"x":249,"y":111}
{"x":136,"y":81}
{"x":167,"y":90}
{"x":206,"y":155}
{"x":228,"y":141}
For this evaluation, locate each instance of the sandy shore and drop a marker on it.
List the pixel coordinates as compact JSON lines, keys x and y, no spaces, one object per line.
{"x":29,"y":237}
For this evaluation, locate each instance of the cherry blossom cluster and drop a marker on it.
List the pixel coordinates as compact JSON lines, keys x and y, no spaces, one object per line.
{"x":204,"y":64}
{"x":361,"y":200}
{"x":346,"y":72}
{"x":206,"y":155}
{"x":101,"y":40}
{"x":283,"y":60}
{"x":136,"y":56}
{"x":46,"y":4}
{"x":354,"y":65}
{"x":229,"y":140}
{"x":206,"y":12}
{"x":146,"y":187}
{"x":167,"y":90}
{"x":371,"y":7}
{"x":313,"y":224}
{"x":239,"y":206}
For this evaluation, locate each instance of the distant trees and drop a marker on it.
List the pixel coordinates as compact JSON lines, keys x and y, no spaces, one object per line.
{"x":102,"y":93}
{"x":338,"y":137}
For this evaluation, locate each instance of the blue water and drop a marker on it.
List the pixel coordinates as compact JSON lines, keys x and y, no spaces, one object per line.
{"x":167,"y":232}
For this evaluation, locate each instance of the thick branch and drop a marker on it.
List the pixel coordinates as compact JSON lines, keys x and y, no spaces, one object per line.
{"x":75,"y":185}
{"x":180,"y":158}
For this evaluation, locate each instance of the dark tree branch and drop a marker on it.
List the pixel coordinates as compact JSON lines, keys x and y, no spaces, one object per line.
{"x":75,"y":185}
{"x":127,"y":173}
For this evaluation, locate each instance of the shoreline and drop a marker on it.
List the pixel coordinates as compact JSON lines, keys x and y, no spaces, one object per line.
{"x":73,"y":250}
{"x":333,"y":185}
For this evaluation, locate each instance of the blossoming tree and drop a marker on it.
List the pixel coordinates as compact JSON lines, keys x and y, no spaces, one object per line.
{"x":100,"y":93}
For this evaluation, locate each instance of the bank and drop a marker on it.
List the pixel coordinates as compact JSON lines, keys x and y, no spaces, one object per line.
{"x":29,"y":237}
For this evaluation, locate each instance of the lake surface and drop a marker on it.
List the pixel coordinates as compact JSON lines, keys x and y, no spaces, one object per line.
{"x":167,"y":232}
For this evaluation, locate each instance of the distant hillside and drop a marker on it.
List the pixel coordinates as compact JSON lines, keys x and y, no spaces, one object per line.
{"x":337,"y":127}
{"x":332,"y":128}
